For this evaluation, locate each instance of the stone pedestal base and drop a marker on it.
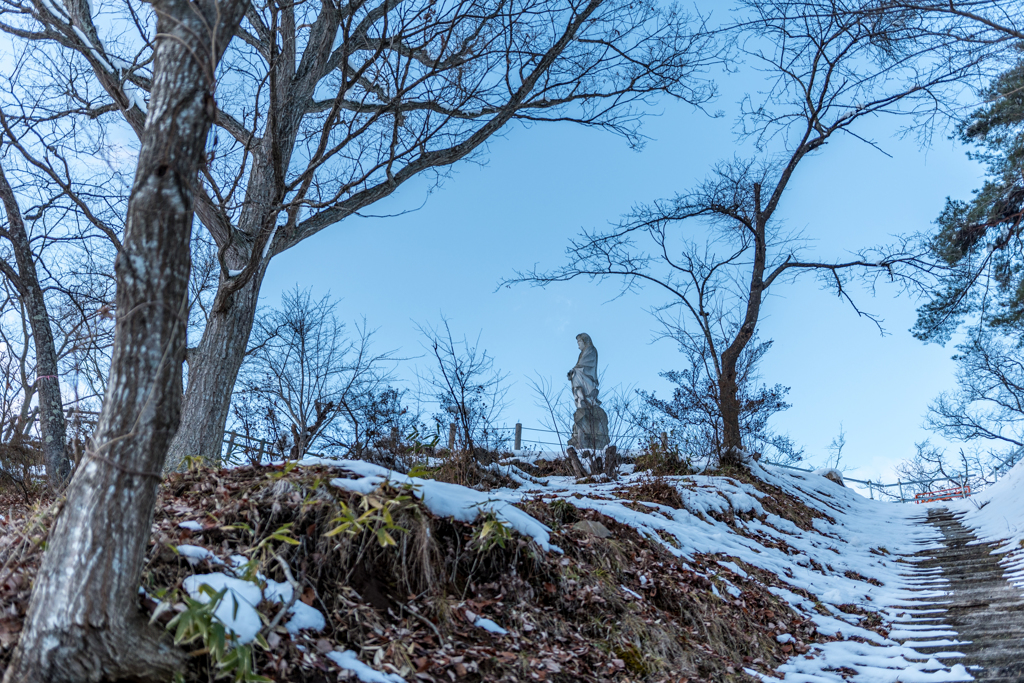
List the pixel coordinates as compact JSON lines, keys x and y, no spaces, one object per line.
{"x":608,"y":463}
{"x":590,"y":428}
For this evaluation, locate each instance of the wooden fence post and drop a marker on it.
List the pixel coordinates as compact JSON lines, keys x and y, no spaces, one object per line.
{"x":900,"y":482}
{"x":519,"y":436}
{"x":231,"y":446}
{"x":451,"y":437}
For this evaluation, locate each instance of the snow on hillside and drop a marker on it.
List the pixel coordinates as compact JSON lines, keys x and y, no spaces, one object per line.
{"x":838,"y":569}
{"x":997,"y":515}
{"x":845,"y":564}
{"x":768,"y":575}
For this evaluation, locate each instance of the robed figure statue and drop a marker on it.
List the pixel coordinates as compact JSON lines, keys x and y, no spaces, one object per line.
{"x":590,"y":422}
{"x":583,"y":377}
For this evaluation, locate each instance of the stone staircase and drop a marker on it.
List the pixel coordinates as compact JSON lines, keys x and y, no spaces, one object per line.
{"x":981,"y":611}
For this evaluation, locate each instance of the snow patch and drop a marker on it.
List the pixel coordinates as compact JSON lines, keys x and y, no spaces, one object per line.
{"x":348,"y":660}
{"x":196,"y":554}
{"x":237,"y":609}
{"x":488,"y":625}
{"x":443,"y":499}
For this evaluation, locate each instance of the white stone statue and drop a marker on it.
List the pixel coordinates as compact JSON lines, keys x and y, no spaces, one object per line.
{"x":583,"y":376}
{"x":590,"y":422}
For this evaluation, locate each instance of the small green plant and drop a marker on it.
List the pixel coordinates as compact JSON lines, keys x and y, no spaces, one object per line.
{"x":193,"y":463}
{"x":420,"y":443}
{"x":377,"y":517}
{"x":564,"y":511}
{"x":491,"y":533}
{"x":259,"y":554}
{"x":199,"y":622}
{"x":282,"y":535}
{"x":285,"y":471}
{"x":421,"y":471}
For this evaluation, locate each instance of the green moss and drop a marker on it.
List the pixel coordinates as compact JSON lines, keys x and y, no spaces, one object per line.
{"x":634,"y":659}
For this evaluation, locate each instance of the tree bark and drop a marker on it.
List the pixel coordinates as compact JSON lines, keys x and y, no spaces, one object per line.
{"x":83,"y":622}
{"x":728,"y":387}
{"x":732,"y":438}
{"x":52,"y":424}
{"x":212,"y":370}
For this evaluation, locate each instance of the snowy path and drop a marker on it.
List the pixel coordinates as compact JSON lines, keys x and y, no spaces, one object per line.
{"x":982,"y":616}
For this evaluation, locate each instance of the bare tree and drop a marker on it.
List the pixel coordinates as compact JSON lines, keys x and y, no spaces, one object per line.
{"x":821,"y":81}
{"x":23,"y":277}
{"x":977,"y":37}
{"x":83,"y":621}
{"x":19,"y":451}
{"x":835,"y":451}
{"x":932,"y":468}
{"x":556,"y":406}
{"x":19,"y":387}
{"x":949,"y":27}
{"x":718,"y":286}
{"x":468,"y":389}
{"x":380,"y":424}
{"x":304,"y":372}
{"x":73,"y":339}
{"x":62,"y":242}
{"x":356,"y":99}
{"x":76,"y":185}
{"x":632,"y":422}
{"x":986,"y":21}
{"x":988,"y":402}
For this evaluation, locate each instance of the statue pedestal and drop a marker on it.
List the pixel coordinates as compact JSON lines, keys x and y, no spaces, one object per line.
{"x":590,"y":428}
{"x":607,"y":464}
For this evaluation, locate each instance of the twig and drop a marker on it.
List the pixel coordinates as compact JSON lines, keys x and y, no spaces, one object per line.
{"x":426,"y":621}
{"x":295,"y":594}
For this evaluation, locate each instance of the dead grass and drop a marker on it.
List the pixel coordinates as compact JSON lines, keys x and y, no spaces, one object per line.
{"x":655,"y":489}
{"x":468,"y":470}
{"x":17,"y":460}
{"x":660,"y":461}
{"x":558,"y":467}
{"x":777,"y":502}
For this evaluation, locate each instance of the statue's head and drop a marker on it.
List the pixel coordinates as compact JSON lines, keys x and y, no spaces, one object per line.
{"x":584,"y":340}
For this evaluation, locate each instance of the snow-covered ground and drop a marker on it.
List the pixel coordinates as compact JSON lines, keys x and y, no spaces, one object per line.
{"x":834,"y":562}
{"x":997,"y":515}
{"x":863,"y":558}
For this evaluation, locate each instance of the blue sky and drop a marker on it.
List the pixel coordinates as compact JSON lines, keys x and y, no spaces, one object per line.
{"x":540,"y":185}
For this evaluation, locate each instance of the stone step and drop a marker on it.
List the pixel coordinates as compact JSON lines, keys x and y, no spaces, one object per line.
{"x":979,"y":604}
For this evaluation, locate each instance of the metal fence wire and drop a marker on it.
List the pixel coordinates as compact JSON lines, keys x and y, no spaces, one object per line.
{"x":234,"y":443}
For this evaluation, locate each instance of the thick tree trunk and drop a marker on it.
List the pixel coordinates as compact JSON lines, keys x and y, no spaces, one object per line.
{"x":52,"y":424}
{"x":728,"y":387}
{"x":728,"y":390}
{"x":83,"y":622}
{"x":212,"y":370}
